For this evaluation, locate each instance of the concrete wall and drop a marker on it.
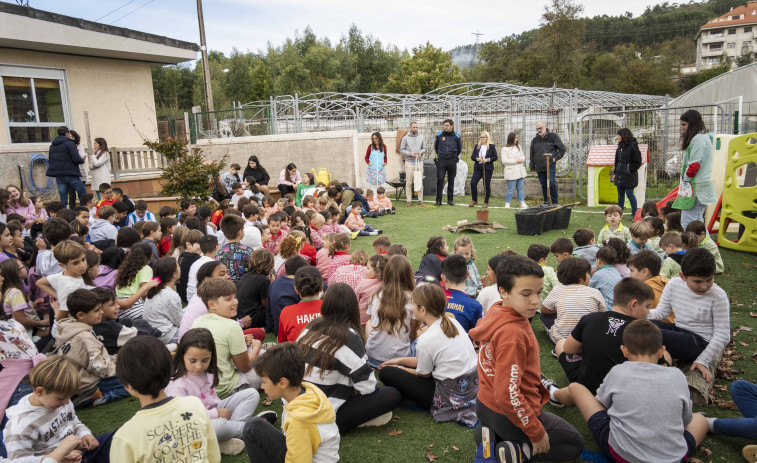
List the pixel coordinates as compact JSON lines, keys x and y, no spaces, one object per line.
{"x":118,"y":95}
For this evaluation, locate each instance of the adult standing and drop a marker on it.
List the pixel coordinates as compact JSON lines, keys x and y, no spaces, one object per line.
{"x":515,"y":172}
{"x":412,"y":149}
{"x":484,"y":153}
{"x":546,"y":142}
{"x":100,"y":165}
{"x":257,"y":172}
{"x":626,"y":172}
{"x":696,"y":189}
{"x":289,"y":178}
{"x":63,"y":164}
{"x":375,"y":157}
{"x":73,"y":135}
{"x":448,"y":148}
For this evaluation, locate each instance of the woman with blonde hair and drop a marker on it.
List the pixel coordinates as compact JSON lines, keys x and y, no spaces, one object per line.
{"x":515,"y":171}
{"x":484,"y":154}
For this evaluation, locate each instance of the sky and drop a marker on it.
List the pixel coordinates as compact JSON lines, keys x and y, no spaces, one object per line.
{"x":252,"y":25}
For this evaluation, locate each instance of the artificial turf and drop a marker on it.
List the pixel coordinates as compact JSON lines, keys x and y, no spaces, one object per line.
{"x":421,"y":440}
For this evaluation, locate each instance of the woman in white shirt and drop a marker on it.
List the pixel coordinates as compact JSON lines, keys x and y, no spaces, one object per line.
{"x":100,"y":165}
{"x":515,"y":172}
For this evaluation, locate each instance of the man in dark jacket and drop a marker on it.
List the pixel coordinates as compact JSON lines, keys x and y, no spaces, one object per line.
{"x":63,"y":164}
{"x":448,"y":148}
{"x":546,"y":142}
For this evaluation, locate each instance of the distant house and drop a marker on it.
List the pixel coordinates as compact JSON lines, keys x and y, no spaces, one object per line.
{"x":727,"y":35}
{"x":53,"y":68}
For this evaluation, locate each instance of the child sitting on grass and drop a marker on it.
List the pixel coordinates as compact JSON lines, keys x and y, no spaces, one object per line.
{"x":431,"y":263}
{"x":144,"y":366}
{"x":571,"y":299}
{"x":357,"y":225}
{"x":593,"y":347}
{"x":606,"y":276}
{"x":490,"y":295}
{"x":613,"y":229}
{"x":236,"y":352}
{"x":465,"y":309}
{"x":293,"y":318}
{"x":640,"y":234}
{"x":45,"y":419}
{"x":277,"y":234}
{"x":622,"y":254}
{"x":352,"y":273}
{"x":540,"y":254}
{"x":381,"y":245}
{"x":162,"y":304}
{"x":510,"y":395}
{"x":16,"y":303}
{"x":702,"y":325}
{"x":464,"y":247}
{"x":637,"y":393}
{"x":281,"y":293}
{"x":658,"y":229}
{"x":77,"y":341}
{"x":645,"y":268}
{"x":704,"y":241}
{"x":672,"y":244}
{"x":234,"y":254}
{"x":134,"y":280}
{"x":151,"y":235}
{"x":392,"y":325}
{"x":562,"y":248}
{"x":339,"y":252}
{"x":370,"y":284}
{"x":585,"y":247}
{"x":112,"y":333}
{"x":310,"y":430}
{"x":195,"y":374}
{"x":442,"y":377}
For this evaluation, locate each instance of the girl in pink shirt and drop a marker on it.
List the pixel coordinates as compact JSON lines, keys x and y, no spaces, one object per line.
{"x":368,"y":286}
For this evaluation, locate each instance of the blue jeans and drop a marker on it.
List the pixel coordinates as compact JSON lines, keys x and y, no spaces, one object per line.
{"x":744,"y":396}
{"x":112,"y":389}
{"x":622,"y":193}
{"x":67,"y":181}
{"x":366,"y":231}
{"x":512,"y":185}
{"x":695,"y":213}
{"x":552,"y":183}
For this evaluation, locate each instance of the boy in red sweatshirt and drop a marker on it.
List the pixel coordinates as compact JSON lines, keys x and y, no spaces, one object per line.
{"x":511,"y":394}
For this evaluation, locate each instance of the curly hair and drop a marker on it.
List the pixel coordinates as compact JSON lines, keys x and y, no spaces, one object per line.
{"x":260,"y":261}
{"x":291,"y":246}
{"x":139,"y":255}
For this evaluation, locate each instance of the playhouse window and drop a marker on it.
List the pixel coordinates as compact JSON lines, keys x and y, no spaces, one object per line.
{"x":35,"y":103}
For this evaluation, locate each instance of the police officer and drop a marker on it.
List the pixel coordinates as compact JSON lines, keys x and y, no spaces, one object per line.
{"x":448,"y":148}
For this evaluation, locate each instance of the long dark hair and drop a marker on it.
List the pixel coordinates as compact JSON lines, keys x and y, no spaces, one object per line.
{"x":435,"y":245}
{"x":103,"y":145}
{"x":621,"y":249}
{"x":164,"y":268}
{"x":11,"y":279}
{"x":511,"y":140}
{"x":625,"y":137}
{"x":93,"y":259}
{"x":380,"y":139}
{"x":139,"y":255}
{"x":127,"y":237}
{"x":339,"y":313}
{"x":254,"y":159}
{"x":199,"y":338}
{"x":5,"y":197}
{"x":695,"y":127}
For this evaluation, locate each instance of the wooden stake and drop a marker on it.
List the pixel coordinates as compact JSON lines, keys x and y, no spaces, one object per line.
{"x":549,"y":177}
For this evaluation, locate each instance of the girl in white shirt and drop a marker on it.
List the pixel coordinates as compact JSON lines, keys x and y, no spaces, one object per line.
{"x":443,"y":377}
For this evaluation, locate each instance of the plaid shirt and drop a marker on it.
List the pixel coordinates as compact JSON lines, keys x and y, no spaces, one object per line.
{"x":275,"y":242}
{"x":350,"y":274}
{"x":316,"y":237}
{"x":340,"y":259}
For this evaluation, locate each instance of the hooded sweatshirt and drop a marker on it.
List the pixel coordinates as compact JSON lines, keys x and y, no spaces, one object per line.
{"x":509,"y":370}
{"x":78,"y":343}
{"x":102,"y":230}
{"x":309,"y":423}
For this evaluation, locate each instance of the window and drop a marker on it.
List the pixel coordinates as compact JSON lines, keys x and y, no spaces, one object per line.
{"x":748,"y":29}
{"x":731,"y":31}
{"x":35,"y":103}
{"x":714,"y":61}
{"x":731,"y":45}
{"x":716,"y":46}
{"x":736,"y":16}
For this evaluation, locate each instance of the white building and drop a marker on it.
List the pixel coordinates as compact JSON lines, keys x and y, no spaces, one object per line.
{"x":727,"y":34}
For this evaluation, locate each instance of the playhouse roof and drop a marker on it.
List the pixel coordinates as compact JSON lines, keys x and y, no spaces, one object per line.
{"x":604,"y":155}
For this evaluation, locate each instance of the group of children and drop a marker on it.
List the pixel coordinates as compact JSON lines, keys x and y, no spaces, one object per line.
{"x":207,"y":285}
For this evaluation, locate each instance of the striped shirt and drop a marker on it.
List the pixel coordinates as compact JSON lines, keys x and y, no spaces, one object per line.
{"x":605,"y":279}
{"x":708,"y":315}
{"x":351,"y":371}
{"x":571,"y":303}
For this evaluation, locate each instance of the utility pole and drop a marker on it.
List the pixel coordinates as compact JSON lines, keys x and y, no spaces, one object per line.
{"x":477,"y":34}
{"x":205,"y":64}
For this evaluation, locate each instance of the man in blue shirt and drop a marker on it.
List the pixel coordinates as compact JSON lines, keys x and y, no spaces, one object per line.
{"x":448,"y":148}
{"x":466,"y":310}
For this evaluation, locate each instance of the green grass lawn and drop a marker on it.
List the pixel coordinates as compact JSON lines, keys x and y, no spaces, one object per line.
{"x":450,"y":442}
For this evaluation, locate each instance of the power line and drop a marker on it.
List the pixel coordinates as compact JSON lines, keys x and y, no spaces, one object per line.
{"x":133,"y":11}
{"x":125,"y":4}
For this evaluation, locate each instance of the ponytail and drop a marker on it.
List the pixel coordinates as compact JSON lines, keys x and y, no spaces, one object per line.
{"x":339,"y":243}
{"x":433,"y":299}
{"x":690,"y":240}
{"x":448,"y":328}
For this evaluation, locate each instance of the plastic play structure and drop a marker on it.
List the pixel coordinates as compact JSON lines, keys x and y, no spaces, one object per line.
{"x":600,"y":189}
{"x":739,"y":202}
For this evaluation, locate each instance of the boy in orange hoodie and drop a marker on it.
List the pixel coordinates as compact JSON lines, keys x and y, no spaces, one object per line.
{"x":511,"y":394}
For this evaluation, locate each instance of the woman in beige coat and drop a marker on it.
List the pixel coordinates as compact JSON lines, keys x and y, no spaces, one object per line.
{"x":515,"y":172}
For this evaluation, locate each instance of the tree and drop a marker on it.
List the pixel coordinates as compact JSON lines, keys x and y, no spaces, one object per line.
{"x":427,"y":69}
{"x":497,"y":61}
{"x":745,"y":57}
{"x":173,"y":89}
{"x":187,"y":174}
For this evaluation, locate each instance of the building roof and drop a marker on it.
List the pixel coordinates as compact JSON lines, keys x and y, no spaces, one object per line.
{"x":604,"y":155}
{"x":28,"y":28}
{"x":749,"y":12}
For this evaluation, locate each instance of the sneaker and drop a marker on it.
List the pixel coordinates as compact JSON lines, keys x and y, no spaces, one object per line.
{"x":355,"y":234}
{"x":373,"y":233}
{"x":438,"y":203}
{"x":102,"y":400}
{"x":507,"y":205}
{"x":549,"y":385}
{"x":268,"y":415}
{"x":523,"y":206}
{"x":554,"y":354}
{"x":378,"y":421}
{"x":450,"y":203}
{"x":509,"y":452}
{"x":392,"y":211}
{"x":379,"y":232}
{"x":267,"y":345}
{"x":231,"y":447}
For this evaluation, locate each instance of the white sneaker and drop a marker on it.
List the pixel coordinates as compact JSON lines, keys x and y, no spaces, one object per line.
{"x":378,"y":421}
{"x":507,"y":205}
{"x":232,"y":446}
{"x":523,"y":205}
{"x":373,"y":233}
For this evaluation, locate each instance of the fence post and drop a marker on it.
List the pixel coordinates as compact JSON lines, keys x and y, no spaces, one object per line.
{"x":665,"y":128}
{"x":114,"y":161}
